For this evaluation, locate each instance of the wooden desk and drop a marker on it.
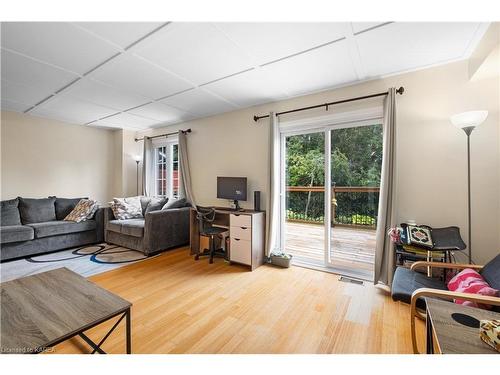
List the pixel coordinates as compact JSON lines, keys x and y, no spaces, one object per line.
{"x":246,"y":232}
{"x":446,"y":336}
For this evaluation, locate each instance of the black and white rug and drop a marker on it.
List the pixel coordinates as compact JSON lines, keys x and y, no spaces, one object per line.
{"x":86,"y":261}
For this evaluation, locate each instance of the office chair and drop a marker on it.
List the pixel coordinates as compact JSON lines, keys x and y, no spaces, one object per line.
{"x":206,"y":216}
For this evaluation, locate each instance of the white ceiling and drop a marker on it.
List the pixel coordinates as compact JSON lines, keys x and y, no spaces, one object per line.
{"x":142,"y":75}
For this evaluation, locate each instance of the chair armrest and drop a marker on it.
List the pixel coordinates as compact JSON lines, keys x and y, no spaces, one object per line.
{"x":458,"y":266}
{"x":444,"y":294}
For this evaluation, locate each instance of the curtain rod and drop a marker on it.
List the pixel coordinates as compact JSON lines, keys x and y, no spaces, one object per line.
{"x":399,"y":91}
{"x":164,"y":135}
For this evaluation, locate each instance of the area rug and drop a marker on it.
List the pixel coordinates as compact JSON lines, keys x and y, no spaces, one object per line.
{"x":86,"y":261}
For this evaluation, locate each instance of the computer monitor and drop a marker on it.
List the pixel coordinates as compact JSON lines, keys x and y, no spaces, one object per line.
{"x":234,"y":188}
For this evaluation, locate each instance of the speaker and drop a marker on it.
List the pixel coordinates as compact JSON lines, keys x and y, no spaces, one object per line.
{"x":256,"y":200}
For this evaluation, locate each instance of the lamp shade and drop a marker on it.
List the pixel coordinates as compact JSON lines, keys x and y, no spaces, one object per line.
{"x":469,"y":119}
{"x":137,"y":157}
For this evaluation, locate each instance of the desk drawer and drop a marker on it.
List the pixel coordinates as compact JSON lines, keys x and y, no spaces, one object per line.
{"x":237,"y":220}
{"x":241,"y":251}
{"x":242,"y":233}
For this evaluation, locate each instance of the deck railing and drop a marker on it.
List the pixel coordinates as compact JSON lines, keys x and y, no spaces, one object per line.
{"x":354,"y":206}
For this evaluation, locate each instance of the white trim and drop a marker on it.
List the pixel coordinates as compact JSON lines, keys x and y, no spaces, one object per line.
{"x":169,"y":144}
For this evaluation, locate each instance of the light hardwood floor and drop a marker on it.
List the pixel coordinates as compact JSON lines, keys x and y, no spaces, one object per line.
{"x":186,"y":306}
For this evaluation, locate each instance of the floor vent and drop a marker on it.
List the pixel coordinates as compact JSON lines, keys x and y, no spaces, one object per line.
{"x":349,"y":280}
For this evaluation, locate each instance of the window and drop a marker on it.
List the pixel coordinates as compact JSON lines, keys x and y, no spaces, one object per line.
{"x":166,"y":169}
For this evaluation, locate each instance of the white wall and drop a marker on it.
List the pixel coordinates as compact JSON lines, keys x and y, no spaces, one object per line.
{"x":431,"y":152}
{"x":41,"y":157}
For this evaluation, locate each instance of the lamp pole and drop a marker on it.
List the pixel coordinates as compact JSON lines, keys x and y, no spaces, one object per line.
{"x":468,"y":131}
{"x":137,"y":173}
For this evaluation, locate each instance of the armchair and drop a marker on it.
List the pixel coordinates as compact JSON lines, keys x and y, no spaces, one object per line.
{"x":490,"y":272}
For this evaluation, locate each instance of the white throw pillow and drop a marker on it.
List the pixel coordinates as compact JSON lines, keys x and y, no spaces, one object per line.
{"x":126,"y":208}
{"x":83,"y":211}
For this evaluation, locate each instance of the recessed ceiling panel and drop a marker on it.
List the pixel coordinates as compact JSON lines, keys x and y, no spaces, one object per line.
{"x":29,"y":95}
{"x":102,"y":94}
{"x":408,"y":45}
{"x":316,"y":70}
{"x":358,"y":27}
{"x":161,"y":112}
{"x":136,"y":75}
{"x":122,"y":34}
{"x":79,"y":111}
{"x":195,"y":51}
{"x":58,"y":43}
{"x":250,"y":88}
{"x":8,"y":105}
{"x":198,"y":102}
{"x":22,"y":70}
{"x":127,"y":120}
{"x":271,"y":41}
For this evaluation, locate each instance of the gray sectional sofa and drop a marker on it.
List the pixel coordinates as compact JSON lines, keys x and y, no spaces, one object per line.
{"x":157,"y":231}
{"x":31,"y":226}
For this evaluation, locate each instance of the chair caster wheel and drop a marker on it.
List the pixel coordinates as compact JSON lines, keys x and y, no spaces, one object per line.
{"x":196,"y":257}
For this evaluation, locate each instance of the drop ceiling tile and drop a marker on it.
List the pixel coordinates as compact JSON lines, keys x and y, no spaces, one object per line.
{"x":408,"y":45}
{"x":8,"y":105}
{"x":269,"y":41}
{"x":161,"y":112}
{"x":249,"y":88}
{"x":198,"y":102}
{"x":122,"y":34}
{"x":320,"y":69}
{"x":69,"y":108}
{"x":358,"y":27}
{"x":28,"y":95}
{"x":57,"y":43}
{"x":22,"y":70}
{"x":198,"y":52}
{"x":102,"y":94}
{"x":136,"y":75}
{"x":127,"y":120}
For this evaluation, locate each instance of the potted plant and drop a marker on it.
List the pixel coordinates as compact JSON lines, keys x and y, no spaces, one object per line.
{"x":281,"y":259}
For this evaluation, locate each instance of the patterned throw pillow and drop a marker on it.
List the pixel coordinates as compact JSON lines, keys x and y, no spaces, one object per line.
{"x":84,"y":210}
{"x":470,"y":281}
{"x":126,"y":208}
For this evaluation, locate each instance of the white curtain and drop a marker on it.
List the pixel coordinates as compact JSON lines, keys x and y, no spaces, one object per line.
{"x":384,"y":249}
{"x":273,"y":199}
{"x":185,"y":188}
{"x":148,"y":168}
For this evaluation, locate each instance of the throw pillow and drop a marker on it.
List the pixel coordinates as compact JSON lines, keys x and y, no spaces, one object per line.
{"x":144,"y":204}
{"x":83,"y":210}
{"x":155,"y":204}
{"x":175,"y":203}
{"x":65,"y":205}
{"x":10,"y":212}
{"x":469,"y":281}
{"x":126,"y":208}
{"x":33,"y":210}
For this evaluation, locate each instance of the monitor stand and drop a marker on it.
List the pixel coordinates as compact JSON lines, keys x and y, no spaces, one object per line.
{"x":237,"y":205}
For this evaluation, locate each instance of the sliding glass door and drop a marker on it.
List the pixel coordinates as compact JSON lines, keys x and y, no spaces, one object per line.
{"x":330,"y":190}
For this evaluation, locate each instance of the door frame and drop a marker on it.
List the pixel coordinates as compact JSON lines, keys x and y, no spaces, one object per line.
{"x":321,"y":124}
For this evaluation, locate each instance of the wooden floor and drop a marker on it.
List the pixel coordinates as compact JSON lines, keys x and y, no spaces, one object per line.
{"x":186,"y":306}
{"x":350,"y":248}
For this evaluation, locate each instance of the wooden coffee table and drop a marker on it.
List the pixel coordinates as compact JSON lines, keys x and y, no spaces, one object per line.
{"x":43,"y":310}
{"x":447,"y":332}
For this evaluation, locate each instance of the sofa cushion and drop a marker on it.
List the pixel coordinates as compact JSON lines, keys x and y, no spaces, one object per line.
{"x":155,"y":204}
{"x":115,"y":225}
{"x":133,"y":227}
{"x":33,"y":210}
{"x":16,"y":233}
{"x":10,"y":212}
{"x":54,"y":228}
{"x":65,"y":205}
{"x":176,"y":203}
{"x":126,"y":208}
{"x":491,"y":272}
{"x":144,"y":204}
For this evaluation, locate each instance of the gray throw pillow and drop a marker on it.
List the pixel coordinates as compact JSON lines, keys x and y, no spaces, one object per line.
{"x":64,"y":206}
{"x":10,"y":212}
{"x":175,"y":203}
{"x":156,"y":204}
{"x":144,"y":204}
{"x":33,"y":210}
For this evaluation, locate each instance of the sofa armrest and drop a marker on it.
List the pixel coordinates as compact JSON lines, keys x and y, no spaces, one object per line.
{"x":443,"y":294}
{"x":107,"y":216}
{"x":99,"y":218}
{"x":165,"y":229}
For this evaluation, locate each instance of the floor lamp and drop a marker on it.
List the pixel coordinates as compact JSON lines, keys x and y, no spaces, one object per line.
{"x":137,"y":159}
{"x":467,"y":121}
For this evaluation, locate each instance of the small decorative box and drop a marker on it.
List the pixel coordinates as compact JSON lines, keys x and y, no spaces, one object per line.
{"x":489,"y":330}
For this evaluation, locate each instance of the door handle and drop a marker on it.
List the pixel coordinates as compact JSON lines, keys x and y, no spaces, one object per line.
{"x":236,"y":239}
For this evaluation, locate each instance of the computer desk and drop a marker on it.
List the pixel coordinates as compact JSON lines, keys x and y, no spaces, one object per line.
{"x":246,"y":233}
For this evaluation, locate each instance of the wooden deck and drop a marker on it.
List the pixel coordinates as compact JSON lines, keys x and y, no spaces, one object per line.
{"x":351,"y":249}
